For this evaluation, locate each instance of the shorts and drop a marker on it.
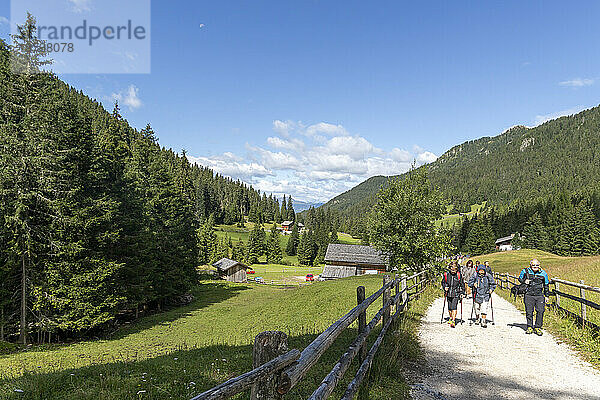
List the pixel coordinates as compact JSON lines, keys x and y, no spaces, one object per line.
{"x":453,"y":303}
{"x":481,"y":308}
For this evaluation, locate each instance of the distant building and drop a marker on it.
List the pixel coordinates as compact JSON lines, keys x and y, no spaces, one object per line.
{"x":287,"y":226}
{"x":344,"y":260}
{"x":230,"y":270}
{"x":505,"y":243}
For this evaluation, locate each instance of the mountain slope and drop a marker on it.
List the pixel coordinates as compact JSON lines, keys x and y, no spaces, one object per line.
{"x":519,"y":164}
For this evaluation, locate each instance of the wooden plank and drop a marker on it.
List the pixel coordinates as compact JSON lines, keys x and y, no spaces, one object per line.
{"x":311,"y":354}
{"x":337,"y":373}
{"x":244,"y":381}
{"x":267,"y":346}
{"x":366,"y":365}
{"x":577,"y":285}
{"x":557,"y":291}
{"x":578,"y":299}
{"x":362,"y":321}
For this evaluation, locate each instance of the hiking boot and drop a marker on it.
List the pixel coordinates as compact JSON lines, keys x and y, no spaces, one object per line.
{"x":477,"y":320}
{"x":529,"y":330}
{"x":538,"y":331}
{"x":484,"y":323}
{"x":452,"y":324}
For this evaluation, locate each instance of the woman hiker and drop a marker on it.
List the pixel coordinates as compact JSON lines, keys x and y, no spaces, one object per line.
{"x":454,"y":288}
{"x":467,"y":272}
{"x":538,"y":290}
{"x":483,"y":285}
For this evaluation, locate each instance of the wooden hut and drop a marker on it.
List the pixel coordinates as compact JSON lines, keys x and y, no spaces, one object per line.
{"x":343,"y":260}
{"x":230,"y":270}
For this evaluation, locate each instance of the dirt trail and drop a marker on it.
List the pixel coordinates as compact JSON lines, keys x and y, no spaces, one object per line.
{"x":499,"y":362}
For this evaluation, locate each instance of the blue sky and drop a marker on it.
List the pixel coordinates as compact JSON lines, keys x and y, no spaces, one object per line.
{"x":312,"y":97}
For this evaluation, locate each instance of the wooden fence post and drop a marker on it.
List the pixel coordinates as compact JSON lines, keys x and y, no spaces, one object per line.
{"x":386,"y":298}
{"x":583,"y":306}
{"x":557,"y":289}
{"x":267,"y":346}
{"x":362,"y":323}
{"x":404,"y":291}
{"x":396,"y":290}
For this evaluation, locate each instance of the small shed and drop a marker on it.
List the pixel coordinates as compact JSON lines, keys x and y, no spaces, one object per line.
{"x":343,"y":259}
{"x":231,"y":270}
{"x":505,"y":243}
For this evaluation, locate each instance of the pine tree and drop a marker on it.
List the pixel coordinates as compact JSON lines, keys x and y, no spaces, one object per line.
{"x":291,"y":214}
{"x":274,"y":253}
{"x":293,"y":241}
{"x":535,"y":234}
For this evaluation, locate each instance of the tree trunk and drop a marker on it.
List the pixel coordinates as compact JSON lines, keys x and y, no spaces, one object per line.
{"x":23,"y":328}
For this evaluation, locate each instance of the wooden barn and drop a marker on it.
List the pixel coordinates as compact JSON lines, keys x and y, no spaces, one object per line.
{"x":230,"y":270}
{"x":344,"y":260}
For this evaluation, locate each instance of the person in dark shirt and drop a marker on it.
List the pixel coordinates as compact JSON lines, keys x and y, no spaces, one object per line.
{"x":536,"y":296}
{"x":454,"y":288}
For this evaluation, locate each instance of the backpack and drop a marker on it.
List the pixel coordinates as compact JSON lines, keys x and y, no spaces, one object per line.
{"x":446,"y":276}
{"x":521,"y":289}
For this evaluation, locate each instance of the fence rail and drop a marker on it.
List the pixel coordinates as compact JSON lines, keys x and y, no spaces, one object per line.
{"x":277,"y":370}
{"x":507,"y":281}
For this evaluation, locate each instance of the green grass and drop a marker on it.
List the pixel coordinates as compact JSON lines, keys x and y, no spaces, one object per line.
{"x":284,"y":273}
{"x":572,"y":269}
{"x":345,"y":238}
{"x":205,"y":343}
{"x":449,"y":220}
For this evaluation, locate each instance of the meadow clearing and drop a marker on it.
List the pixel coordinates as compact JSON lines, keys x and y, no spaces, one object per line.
{"x":180,"y":353}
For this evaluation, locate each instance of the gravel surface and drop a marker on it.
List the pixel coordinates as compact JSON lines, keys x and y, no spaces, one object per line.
{"x":498,"y":362}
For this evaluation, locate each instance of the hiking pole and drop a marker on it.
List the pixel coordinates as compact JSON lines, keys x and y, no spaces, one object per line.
{"x":443,"y":308}
{"x":492,"y":307}
{"x":461,"y":318}
{"x":472,"y":308}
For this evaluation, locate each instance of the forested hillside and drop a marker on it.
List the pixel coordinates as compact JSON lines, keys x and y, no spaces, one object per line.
{"x":97,"y":220}
{"x":519,"y":164}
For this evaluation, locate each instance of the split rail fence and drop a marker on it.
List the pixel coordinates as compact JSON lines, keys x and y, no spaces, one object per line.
{"x":507,"y":281}
{"x":277,"y":370}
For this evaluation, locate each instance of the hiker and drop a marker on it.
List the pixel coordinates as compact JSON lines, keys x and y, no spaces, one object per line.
{"x":467,"y":272}
{"x":536,"y":295}
{"x":454,"y":288}
{"x":483,"y":285}
{"x":488,"y":269}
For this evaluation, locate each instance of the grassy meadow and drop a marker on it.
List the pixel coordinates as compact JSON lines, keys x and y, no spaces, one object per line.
{"x":182,"y":352}
{"x":571,"y":269}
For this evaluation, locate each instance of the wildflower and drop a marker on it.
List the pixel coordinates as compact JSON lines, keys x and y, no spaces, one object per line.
{"x":192,"y":383}
{"x":224,"y":360}
{"x":141,"y":392}
{"x":175,"y":359}
{"x":19,"y":390}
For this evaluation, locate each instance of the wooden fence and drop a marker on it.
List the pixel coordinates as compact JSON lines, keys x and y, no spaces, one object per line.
{"x":507,"y":281}
{"x":277,"y":370}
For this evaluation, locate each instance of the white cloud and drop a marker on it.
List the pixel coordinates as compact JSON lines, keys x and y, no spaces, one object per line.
{"x":426,"y":157}
{"x":80,"y":6}
{"x":326,"y":129}
{"x":228,"y":165}
{"x":540,"y":119}
{"x":578,"y":82}
{"x":313,"y":162}
{"x":129,"y":97}
{"x":4,"y":21}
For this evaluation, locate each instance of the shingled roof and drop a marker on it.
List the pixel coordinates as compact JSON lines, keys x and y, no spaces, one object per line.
{"x":225,"y":263}
{"x":505,"y":239}
{"x":352,"y":253}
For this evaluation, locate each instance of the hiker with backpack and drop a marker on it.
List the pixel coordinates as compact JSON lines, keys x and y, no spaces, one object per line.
{"x":467,"y":272}
{"x":536,"y":288}
{"x":454,"y":288}
{"x":482,"y":284}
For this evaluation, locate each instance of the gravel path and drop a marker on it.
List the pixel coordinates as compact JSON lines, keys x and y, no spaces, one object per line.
{"x":499,"y":362}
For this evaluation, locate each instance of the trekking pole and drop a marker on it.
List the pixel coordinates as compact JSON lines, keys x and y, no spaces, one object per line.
{"x":472,"y":308}
{"x":461,"y":317}
{"x":443,"y":308}
{"x":492,"y":306}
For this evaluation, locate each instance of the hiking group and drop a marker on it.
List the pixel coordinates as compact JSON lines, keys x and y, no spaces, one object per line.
{"x":477,"y":282}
